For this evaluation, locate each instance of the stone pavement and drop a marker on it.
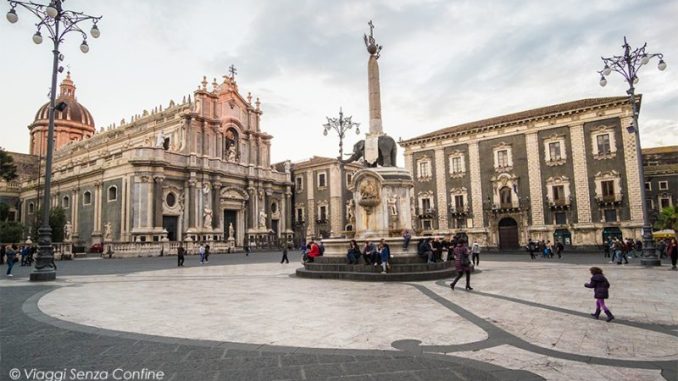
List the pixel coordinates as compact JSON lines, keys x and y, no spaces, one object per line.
{"x":248,"y":318}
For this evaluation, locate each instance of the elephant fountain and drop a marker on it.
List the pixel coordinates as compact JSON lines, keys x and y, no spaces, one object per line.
{"x":387,"y":152}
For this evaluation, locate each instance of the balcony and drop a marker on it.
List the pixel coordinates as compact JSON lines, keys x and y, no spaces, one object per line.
{"x":458,"y":211}
{"x":426,"y":212}
{"x":321,"y":221}
{"x":609,"y":199}
{"x":560,"y":203}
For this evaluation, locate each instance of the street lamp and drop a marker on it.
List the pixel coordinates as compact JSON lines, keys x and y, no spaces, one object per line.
{"x":341,"y":125}
{"x":628,"y":66}
{"x":58,"y":22}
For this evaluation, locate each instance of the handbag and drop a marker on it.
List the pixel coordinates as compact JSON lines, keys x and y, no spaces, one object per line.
{"x":465,"y":261}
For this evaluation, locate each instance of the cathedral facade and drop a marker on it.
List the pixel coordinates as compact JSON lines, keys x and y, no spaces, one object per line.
{"x":195,"y":170}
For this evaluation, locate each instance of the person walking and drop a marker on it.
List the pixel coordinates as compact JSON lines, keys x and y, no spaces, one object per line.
{"x":672,"y":251}
{"x":10,"y":252}
{"x":559,"y":249}
{"x":201,"y":251}
{"x":462,"y":263}
{"x":247,"y":249}
{"x":207,"y":252}
{"x":531,"y":247}
{"x":475,"y":253}
{"x":601,"y":287}
{"x":385,"y":252}
{"x":284,"y":257}
{"x":180,"y":255}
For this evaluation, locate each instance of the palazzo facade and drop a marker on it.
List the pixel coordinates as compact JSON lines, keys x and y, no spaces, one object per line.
{"x":565,"y":172}
{"x":196,"y":170}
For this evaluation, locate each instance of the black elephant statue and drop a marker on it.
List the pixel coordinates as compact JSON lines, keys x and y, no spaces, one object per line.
{"x":387,"y":152}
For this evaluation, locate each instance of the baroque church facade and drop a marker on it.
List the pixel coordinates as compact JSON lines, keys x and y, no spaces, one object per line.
{"x":196,"y":170}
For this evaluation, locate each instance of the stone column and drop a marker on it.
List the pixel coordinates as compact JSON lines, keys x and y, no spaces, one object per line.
{"x":581,"y":178}
{"x":633,"y":189}
{"x":535,"y":180}
{"x":252,"y":215}
{"x":441,"y":190}
{"x":123,"y":208}
{"x":75,"y":208}
{"x":97,"y":207}
{"x":476,"y":186}
{"x":216,"y":208}
{"x":157,"y":201}
{"x":190,"y":203}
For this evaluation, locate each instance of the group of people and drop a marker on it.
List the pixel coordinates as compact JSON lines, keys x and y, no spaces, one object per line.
{"x":545,"y":248}
{"x":13,"y":253}
{"x":311,"y":250}
{"x":376,"y":255}
{"x":437,"y":249}
{"x":617,"y":249}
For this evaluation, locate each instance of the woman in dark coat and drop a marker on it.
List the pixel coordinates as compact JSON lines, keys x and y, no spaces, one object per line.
{"x":462,"y":263}
{"x":600,"y":287}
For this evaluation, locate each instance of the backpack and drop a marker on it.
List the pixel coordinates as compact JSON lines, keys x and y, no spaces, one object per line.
{"x":321,"y":248}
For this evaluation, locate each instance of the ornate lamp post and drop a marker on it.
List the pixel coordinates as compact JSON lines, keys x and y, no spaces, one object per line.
{"x":58,"y":22}
{"x":628,"y":66}
{"x":341,"y":125}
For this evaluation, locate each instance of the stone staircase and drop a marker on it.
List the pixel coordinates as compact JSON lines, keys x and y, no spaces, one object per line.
{"x":403,"y":269}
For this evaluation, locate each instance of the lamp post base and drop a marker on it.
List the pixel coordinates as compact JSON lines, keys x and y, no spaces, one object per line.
{"x":43,"y":275}
{"x":650,"y":262}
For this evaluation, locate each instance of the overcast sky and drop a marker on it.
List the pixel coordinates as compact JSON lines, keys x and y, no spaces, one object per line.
{"x":443,"y":63}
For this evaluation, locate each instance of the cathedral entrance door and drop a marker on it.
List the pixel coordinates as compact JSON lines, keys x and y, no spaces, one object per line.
{"x":230,"y":217}
{"x":508,"y":234}
{"x":170,"y":224}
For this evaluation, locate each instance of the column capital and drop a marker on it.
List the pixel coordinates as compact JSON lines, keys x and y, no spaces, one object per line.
{"x":159,"y":179}
{"x":192,"y":183}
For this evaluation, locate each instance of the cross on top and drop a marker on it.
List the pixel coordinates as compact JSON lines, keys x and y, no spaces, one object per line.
{"x":233,"y":71}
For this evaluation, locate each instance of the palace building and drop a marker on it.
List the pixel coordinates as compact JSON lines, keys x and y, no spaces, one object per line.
{"x":195,"y":170}
{"x":320,"y":211}
{"x":564,"y":172}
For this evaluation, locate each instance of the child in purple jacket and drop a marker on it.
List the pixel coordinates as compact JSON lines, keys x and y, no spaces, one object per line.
{"x":600,"y":287}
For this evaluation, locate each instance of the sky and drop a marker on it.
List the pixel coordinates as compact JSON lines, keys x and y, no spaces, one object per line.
{"x":443,"y":63}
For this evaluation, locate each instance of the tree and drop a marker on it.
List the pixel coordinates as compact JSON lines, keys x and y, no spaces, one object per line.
{"x":668,"y":218}
{"x":7,"y":166}
{"x":57,"y":221}
{"x":4,"y":212}
{"x":11,"y":232}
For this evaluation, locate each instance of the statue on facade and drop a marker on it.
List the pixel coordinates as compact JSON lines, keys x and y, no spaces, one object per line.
{"x":108,"y":231}
{"x":287,"y":166}
{"x":231,"y":231}
{"x":68,"y":230}
{"x":262,"y":219}
{"x":160,"y":139}
{"x":393,"y":205}
{"x":231,"y":145}
{"x":207,"y":217}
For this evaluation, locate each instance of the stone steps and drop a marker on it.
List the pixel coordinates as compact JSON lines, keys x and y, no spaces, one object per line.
{"x":403,"y":269}
{"x":362,"y":268}
{"x":395,"y":260}
{"x":378,"y":277}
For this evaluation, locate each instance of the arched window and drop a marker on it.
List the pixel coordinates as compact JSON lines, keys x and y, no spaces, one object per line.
{"x":112,"y":193}
{"x":231,"y":145}
{"x":31,"y":207}
{"x":66,"y":202}
{"x":505,"y":196}
{"x":87,"y":198}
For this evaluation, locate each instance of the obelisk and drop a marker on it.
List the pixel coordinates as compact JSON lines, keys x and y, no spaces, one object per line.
{"x":376,"y":129}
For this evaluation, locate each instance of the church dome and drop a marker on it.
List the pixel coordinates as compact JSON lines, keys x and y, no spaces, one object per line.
{"x":74,"y":112}
{"x":74,"y":123}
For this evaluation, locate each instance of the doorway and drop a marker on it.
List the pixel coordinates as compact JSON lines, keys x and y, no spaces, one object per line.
{"x":170,"y":224}
{"x":230,"y":218}
{"x":508,"y":234}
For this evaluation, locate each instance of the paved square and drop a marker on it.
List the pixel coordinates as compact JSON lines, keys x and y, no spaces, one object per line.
{"x":243,"y":318}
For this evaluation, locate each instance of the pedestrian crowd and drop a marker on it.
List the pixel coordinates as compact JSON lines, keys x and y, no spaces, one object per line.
{"x":545,"y":248}
{"x":13,"y":253}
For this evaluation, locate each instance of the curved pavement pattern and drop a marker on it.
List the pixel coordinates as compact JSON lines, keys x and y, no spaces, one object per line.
{"x":254,"y":321}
